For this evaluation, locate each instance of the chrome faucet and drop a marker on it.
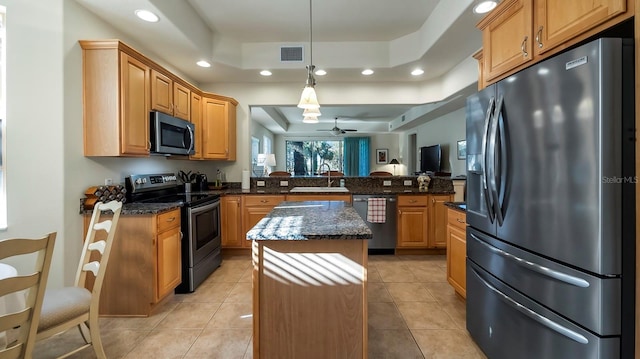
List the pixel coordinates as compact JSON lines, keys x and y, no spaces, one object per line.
{"x":328,"y":172}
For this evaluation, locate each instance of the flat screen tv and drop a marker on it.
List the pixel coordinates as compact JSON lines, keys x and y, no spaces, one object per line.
{"x":430,"y":158}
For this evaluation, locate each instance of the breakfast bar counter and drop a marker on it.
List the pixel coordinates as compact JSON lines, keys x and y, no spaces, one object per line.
{"x":310,"y":281}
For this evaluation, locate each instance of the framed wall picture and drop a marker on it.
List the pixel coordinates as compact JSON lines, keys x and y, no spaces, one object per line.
{"x":462,"y":149}
{"x":382,"y":156}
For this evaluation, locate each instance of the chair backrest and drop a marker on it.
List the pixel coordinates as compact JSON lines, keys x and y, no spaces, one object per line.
{"x":333,"y":173}
{"x":34,"y":283}
{"x":380,"y":173}
{"x":97,"y":247}
{"x":279,"y":174}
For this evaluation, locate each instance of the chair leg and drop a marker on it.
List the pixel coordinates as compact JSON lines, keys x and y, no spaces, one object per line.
{"x":81,"y":327}
{"x":94,"y":330}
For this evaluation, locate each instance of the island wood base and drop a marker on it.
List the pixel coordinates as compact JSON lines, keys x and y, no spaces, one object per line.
{"x":309,"y":299}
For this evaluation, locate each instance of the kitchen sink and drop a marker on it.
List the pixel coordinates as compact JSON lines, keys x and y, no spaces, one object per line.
{"x":319,"y":189}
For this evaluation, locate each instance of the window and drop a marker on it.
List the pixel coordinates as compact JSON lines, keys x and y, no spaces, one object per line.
{"x":305,"y":157}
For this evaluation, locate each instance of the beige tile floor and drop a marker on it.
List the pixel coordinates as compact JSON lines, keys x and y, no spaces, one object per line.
{"x":413,"y":313}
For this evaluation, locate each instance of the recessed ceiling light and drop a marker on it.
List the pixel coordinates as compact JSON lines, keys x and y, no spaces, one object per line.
{"x":417,"y":72}
{"x":367,"y":72}
{"x":265,"y":73}
{"x":321,"y":72}
{"x":147,"y":15}
{"x":484,"y":6}
{"x":203,"y":63}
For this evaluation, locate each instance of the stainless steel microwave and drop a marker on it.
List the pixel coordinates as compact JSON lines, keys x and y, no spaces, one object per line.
{"x":171,"y":135}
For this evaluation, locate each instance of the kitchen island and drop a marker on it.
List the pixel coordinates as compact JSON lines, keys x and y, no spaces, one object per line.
{"x":310,"y":281}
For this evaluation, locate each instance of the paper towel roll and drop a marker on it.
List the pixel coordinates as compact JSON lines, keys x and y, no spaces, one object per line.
{"x":246,"y":179}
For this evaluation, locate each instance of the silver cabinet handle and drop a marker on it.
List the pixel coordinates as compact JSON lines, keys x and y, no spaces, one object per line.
{"x":535,"y":316}
{"x":539,"y":37}
{"x":523,"y":47}
{"x":569,"y":279}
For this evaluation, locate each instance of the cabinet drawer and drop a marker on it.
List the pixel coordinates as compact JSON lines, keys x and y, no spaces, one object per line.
{"x":457,"y":219}
{"x":168,"y":220}
{"x":269,"y":201}
{"x":412,"y":201}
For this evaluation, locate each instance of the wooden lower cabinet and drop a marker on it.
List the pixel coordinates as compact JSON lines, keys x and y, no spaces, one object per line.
{"x":231,"y":217}
{"x":413,"y":221}
{"x":457,"y":251}
{"x":144,"y":266}
{"x":438,"y":220}
{"x":254,"y":208}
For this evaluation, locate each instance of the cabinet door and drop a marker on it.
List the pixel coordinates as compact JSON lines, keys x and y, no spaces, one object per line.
{"x":250,"y":217}
{"x":161,"y":92}
{"x":196,"y":119}
{"x":456,"y":259}
{"x":169,"y":262}
{"x":506,"y":37}
{"x":134,"y":97}
{"x":559,"y":21}
{"x":412,"y":227}
{"x":215,"y":143}
{"x":181,"y":101}
{"x":231,"y":217}
{"x":438,"y":221}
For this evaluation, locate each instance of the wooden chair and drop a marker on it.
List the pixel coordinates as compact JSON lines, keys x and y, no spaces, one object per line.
{"x":279,"y":174}
{"x":76,"y":306}
{"x":26,"y":320}
{"x":333,"y":174}
{"x":380,"y":173}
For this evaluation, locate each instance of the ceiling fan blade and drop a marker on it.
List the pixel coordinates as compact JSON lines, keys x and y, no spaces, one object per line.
{"x":348,"y":129}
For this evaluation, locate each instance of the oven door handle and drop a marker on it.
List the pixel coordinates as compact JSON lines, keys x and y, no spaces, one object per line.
{"x":205,"y":207}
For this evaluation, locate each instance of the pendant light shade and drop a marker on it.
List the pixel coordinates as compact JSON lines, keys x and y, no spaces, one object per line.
{"x":313,"y":112}
{"x":310,"y":119}
{"x":308,"y":99}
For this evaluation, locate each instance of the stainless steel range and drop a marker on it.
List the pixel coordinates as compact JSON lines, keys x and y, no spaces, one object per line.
{"x":200,"y":213}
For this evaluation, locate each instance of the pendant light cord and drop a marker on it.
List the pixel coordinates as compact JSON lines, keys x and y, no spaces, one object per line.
{"x":310,"y":33}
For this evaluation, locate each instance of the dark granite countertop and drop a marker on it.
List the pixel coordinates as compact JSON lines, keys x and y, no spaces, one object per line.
{"x":460,"y":206}
{"x":311,"y":220}
{"x":352,"y":190}
{"x":140,"y":208}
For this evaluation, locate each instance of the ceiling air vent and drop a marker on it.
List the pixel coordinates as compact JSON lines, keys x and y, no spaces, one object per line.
{"x":291,"y":53}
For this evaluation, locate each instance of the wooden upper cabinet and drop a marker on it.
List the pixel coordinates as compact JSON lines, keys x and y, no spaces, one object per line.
{"x":506,"y":37}
{"x":181,"y":101}
{"x":169,"y":97}
{"x":557,"y":22}
{"x":116,"y":96}
{"x":218,"y":129}
{"x":519,"y":33}
{"x":196,"y":119}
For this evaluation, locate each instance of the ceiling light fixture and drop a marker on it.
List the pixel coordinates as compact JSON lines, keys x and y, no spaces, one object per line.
{"x":308,"y":99}
{"x":147,"y":15}
{"x":367,"y":72}
{"x":203,"y":63}
{"x":484,"y":6}
{"x":417,"y":72}
{"x":320,"y":72}
{"x":310,"y":119}
{"x":313,"y":112}
{"x":265,"y":73}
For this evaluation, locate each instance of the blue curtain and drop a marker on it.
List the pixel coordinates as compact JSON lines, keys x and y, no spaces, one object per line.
{"x":356,"y":156}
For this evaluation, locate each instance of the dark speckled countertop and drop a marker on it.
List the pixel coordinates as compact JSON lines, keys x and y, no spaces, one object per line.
{"x":460,"y":206}
{"x":311,"y":220}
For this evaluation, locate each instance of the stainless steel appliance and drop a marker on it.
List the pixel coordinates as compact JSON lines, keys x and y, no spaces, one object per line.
{"x":384,"y":234}
{"x":171,"y":135}
{"x":200,"y":223}
{"x":551,"y":208}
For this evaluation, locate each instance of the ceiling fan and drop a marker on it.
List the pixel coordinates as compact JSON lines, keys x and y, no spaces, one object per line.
{"x":338,"y":131}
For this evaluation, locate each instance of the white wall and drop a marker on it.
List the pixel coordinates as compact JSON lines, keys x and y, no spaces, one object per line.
{"x":446,"y":130}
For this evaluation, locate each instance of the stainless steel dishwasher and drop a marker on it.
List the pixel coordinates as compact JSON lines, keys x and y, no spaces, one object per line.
{"x":384,"y":234}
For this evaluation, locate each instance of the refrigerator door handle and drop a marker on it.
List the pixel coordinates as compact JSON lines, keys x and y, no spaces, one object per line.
{"x":563,"y":277}
{"x":498,"y":171}
{"x":485,"y":176}
{"x":577,"y":337}
{"x":491,"y":166}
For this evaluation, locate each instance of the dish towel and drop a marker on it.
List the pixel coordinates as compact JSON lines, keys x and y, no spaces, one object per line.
{"x":376,"y":210}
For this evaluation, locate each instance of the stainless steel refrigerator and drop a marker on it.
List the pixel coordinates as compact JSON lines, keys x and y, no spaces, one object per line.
{"x":551,"y":208}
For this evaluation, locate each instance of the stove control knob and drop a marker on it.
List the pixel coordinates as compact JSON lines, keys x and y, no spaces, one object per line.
{"x":144,"y":180}
{"x":139,"y":181}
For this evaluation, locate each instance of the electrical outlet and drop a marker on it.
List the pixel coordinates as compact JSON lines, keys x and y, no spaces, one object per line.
{"x":260,"y":183}
{"x":386,"y":183}
{"x":284,"y":183}
{"x":108,"y":181}
{"x":408,"y":183}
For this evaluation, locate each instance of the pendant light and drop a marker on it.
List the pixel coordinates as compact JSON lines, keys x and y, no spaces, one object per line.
{"x":308,"y":99}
